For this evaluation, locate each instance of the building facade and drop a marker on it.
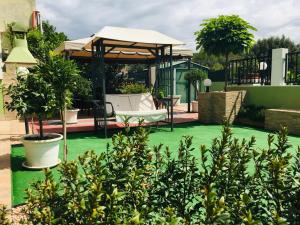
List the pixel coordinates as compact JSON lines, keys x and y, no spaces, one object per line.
{"x":19,"y":11}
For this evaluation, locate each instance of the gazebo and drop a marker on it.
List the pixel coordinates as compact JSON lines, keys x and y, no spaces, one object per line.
{"x":128,"y":46}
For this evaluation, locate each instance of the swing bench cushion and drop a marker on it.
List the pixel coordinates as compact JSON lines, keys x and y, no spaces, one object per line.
{"x":136,"y":107}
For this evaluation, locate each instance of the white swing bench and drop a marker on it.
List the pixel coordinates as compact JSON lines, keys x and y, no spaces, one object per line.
{"x":135,"y":107}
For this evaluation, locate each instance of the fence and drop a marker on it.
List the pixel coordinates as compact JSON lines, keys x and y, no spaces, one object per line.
{"x":216,"y":76}
{"x":292,"y":69}
{"x":254,"y":70}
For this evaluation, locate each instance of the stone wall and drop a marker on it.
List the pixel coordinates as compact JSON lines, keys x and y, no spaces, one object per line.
{"x":214,"y":107}
{"x":275,"y":118}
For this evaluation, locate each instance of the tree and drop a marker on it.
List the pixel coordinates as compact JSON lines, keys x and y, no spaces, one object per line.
{"x":209,"y":60}
{"x":264,"y":46}
{"x":31,"y":95}
{"x":136,"y":68}
{"x":83,"y":88}
{"x":40,"y":44}
{"x":196,"y":76}
{"x":62,"y":75}
{"x":224,"y":35}
{"x":214,"y":62}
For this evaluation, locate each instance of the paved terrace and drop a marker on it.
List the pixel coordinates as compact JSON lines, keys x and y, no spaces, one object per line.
{"x":10,"y":132}
{"x":87,"y":124}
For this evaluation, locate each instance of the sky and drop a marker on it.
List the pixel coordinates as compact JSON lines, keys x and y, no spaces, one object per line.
{"x":176,"y":18}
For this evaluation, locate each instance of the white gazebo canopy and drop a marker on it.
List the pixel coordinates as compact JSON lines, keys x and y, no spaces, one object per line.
{"x":125,"y":43}
{"x":133,"y":37}
{"x":128,"y":45}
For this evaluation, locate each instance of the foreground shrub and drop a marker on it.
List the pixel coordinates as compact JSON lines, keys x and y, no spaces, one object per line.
{"x":110,"y":188}
{"x":231,"y":183}
{"x":4,"y":216}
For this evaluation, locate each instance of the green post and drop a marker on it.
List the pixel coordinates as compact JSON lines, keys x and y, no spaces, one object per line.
{"x":102,"y":52}
{"x":162,"y":62}
{"x":157,"y":71}
{"x":189,"y":88}
{"x":26,"y":125}
{"x":172,"y":86}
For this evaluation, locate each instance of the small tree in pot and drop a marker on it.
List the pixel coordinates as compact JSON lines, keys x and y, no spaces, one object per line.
{"x":62,"y":74}
{"x":195,"y":77}
{"x":81,"y":92}
{"x":32,"y":96}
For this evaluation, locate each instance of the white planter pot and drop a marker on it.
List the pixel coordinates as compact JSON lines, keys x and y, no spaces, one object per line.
{"x":41,"y":153}
{"x":194,"y":106}
{"x":71,"y":116}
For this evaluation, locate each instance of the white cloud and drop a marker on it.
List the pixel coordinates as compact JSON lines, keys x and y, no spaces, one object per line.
{"x":179,"y":19}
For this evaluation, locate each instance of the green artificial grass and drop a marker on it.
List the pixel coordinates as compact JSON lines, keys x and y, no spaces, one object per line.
{"x":78,"y":143}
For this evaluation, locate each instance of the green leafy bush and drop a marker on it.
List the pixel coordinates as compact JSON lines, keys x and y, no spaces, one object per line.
{"x":134,"y":88}
{"x":42,"y":44}
{"x":82,"y":88}
{"x":112,"y":188}
{"x":132,"y":183}
{"x":196,"y":76}
{"x":291,"y":76}
{"x":32,"y":96}
{"x":252,"y":112}
{"x":4,"y":216}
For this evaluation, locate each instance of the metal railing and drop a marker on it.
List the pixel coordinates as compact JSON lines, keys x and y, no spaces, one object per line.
{"x":254,"y":70}
{"x":292,"y":68}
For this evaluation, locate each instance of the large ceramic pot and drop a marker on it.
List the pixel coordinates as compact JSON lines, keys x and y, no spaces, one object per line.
{"x":194,"y":106}
{"x":41,"y":153}
{"x":71,"y":116}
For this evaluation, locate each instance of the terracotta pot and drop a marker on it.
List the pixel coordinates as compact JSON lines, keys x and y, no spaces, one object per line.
{"x":194,"y":106}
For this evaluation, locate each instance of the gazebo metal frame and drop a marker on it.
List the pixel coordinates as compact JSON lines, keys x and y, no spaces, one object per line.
{"x":100,"y":49}
{"x":129,"y":46}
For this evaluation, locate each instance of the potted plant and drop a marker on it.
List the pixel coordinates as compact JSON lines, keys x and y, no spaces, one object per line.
{"x":81,"y":92}
{"x":62,"y":75}
{"x":71,"y":111}
{"x":195,"y":77}
{"x":32,"y":96}
{"x":72,"y":116}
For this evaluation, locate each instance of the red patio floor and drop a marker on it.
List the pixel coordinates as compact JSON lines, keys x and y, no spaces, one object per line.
{"x":87,"y":124}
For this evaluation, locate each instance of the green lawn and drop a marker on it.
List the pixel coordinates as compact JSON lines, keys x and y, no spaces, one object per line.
{"x":81,"y":142}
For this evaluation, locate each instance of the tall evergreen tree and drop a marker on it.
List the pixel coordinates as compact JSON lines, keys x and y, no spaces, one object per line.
{"x":264,"y":46}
